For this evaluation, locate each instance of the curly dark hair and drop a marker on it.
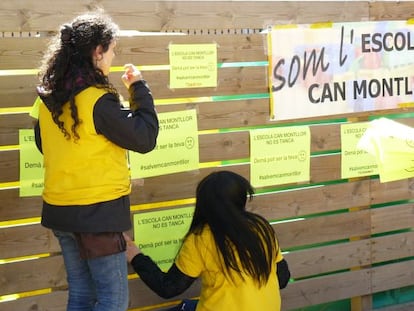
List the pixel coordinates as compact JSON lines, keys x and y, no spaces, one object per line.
{"x":68,"y":64}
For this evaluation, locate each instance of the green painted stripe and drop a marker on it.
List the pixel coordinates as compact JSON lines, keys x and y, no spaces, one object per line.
{"x":240,"y":97}
{"x":275,"y":124}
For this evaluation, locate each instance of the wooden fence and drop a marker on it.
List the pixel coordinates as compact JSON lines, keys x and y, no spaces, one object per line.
{"x":346,"y":240}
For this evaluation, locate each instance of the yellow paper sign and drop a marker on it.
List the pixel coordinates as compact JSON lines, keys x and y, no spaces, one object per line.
{"x":279,"y":155}
{"x":31,"y":165}
{"x":355,"y":162}
{"x":177,"y":147}
{"x":392,"y":144}
{"x":160,"y":234}
{"x":193,"y":65}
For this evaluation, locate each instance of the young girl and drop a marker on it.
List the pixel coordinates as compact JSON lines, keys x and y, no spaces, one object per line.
{"x":233,"y":251}
{"x":84,"y":133}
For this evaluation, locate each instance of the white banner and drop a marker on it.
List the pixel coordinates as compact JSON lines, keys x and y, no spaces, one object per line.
{"x":328,"y":69}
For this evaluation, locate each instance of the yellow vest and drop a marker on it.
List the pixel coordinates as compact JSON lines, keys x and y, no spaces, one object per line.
{"x":89,"y":170}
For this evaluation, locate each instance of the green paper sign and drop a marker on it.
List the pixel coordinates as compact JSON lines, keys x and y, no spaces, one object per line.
{"x":160,"y":234}
{"x":177,"y":147}
{"x":279,"y":155}
{"x":193,"y":65}
{"x":355,"y":162}
{"x":31,"y":165}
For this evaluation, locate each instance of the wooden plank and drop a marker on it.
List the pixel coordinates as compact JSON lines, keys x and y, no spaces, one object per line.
{"x":324,"y":289}
{"x":9,"y":166}
{"x":182,"y":185}
{"x":143,"y":50}
{"x":324,"y":168}
{"x":27,"y":240}
{"x":21,"y":53}
{"x":310,"y":231}
{"x":174,"y":15}
{"x":16,"y":207}
{"x":10,"y":124}
{"x":327,"y":259}
{"x":298,"y":294}
{"x":339,"y":286}
{"x":214,"y":115}
{"x":232,"y":114}
{"x":275,"y":205}
{"x":32,"y":275}
{"x":391,"y":191}
{"x":272,"y":206}
{"x":21,"y":92}
{"x":308,"y":201}
{"x":230,"y":81}
{"x":384,"y":10}
{"x":142,"y":296}
{"x":213,"y":147}
{"x":35,"y":239}
{"x":392,"y":218}
{"x":236,"y":145}
{"x":219,"y":146}
{"x":54,"y":301}
{"x":392,"y":247}
{"x":392,"y":276}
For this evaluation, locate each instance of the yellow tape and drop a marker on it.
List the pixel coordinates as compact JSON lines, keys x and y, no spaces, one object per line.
{"x":20,"y":222}
{"x":25,"y":294}
{"x":24,"y":258}
{"x":157,"y":102}
{"x":18,"y":72}
{"x":9,"y":148}
{"x":9,"y":185}
{"x":142,"y":68}
{"x":285,"y":26}
{"x":15,"y":110}
{"x":321,"y":25}
{"x":205,"y":132}
{"x":406,"y":105}
{"x":147,"y":206}
{"x":27,"y":72}
{"x":171,"y":101}
{"x":157,"y":306}
{"x":209,"y":164}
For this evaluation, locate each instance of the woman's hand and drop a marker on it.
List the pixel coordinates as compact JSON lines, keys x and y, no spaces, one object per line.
{"x":131,"y":75}
{"x":132,"y":250}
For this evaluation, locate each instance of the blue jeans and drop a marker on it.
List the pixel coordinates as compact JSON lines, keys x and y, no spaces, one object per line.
{"x":99,"y":284}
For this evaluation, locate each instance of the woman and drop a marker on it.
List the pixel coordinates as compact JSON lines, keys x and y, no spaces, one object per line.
{"x":84,"y":133}
{"x":233,"y":251}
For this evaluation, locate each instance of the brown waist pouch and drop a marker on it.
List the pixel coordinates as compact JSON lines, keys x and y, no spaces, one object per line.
{"x":93,"y":245}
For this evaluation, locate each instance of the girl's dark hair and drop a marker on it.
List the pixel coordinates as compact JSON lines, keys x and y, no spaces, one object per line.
{"x":68,"y":65}
{"x":221,"y":204}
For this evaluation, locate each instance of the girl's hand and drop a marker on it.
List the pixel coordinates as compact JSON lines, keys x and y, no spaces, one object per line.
{"x":132,"y":250}
{"x":131,"y":75}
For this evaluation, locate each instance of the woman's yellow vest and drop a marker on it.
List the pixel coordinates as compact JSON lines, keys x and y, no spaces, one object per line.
{"x":85,"y":171}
